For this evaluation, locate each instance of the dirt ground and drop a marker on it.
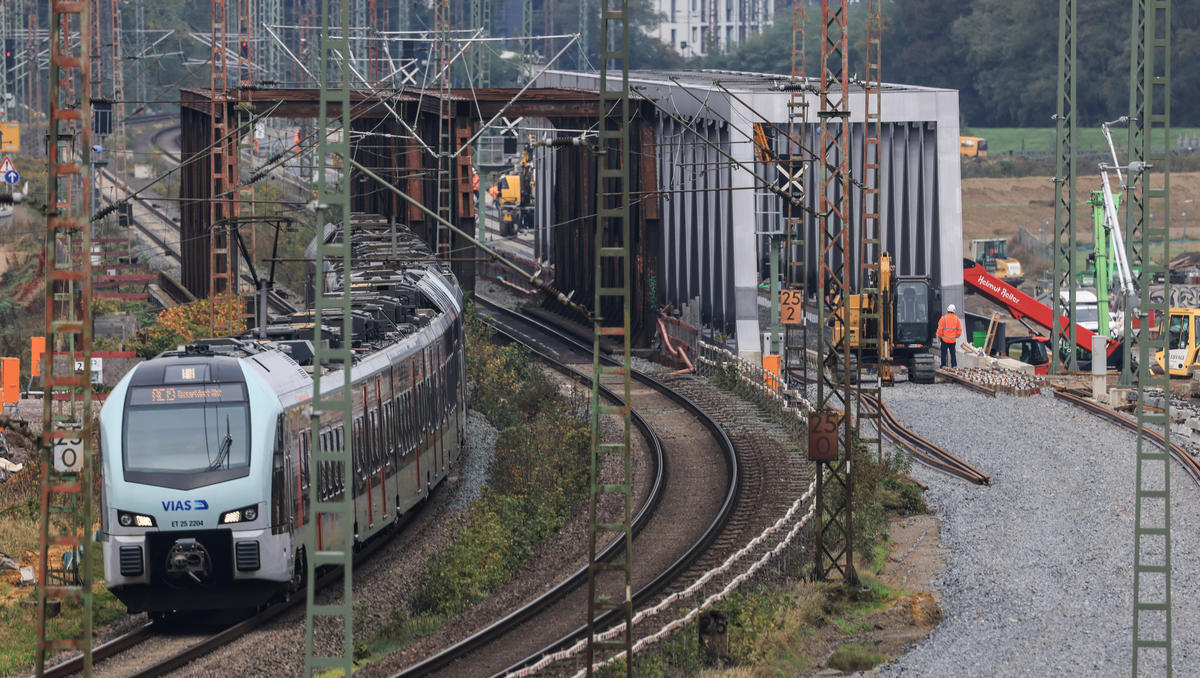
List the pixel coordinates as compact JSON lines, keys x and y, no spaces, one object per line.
{"x":997,"y":207}
{"x":916,"y":558}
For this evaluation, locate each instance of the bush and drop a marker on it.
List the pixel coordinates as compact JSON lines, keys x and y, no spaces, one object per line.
{"x":537,"y":478}
{"x":182,"y":324}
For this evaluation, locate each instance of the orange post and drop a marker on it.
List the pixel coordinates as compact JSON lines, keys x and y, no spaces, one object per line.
{"x":37,"y":350}
{"x":773,"y":366}
{"x":10,"y":380}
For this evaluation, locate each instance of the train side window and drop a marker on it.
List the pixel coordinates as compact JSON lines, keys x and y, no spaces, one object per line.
{"x":385,"y":433}
{"x":356,"y":443}
{"x":373,"y":434}
{"x":418,"y":406}
{"x":393,"y":431}
{"x":402,"y":415}
{"x":397,"y":429}
{"x":304,"y":458}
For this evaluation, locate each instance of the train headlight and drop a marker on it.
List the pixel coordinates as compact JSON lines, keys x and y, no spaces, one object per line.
{"x":127,"y":519}
{"x":243,"y":515}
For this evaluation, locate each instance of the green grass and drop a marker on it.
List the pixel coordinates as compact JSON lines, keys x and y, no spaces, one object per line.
{"x":1001,"y":140}
{"x":18,"y":623}
{"x":854,"y":658}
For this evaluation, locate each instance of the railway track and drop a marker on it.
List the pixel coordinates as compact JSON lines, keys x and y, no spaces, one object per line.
{"x":922,"y":450}
{"x":663,"y":551}
{"x":1178,"y":452}
{"x":194,"y":646}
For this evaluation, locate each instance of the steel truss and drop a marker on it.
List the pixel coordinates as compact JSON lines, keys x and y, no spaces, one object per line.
{"x":870,"y":273}
{"x":68,"y":424}
{"x":612,"y":284}
{"x":334,"y":205}
{"x":795,"y":329}
{"x":445,"y":150}
{"x":1150,"y":205}
{"x":835,"y":382}
{"x":1062,"y":339}
{"x":223,"y":159}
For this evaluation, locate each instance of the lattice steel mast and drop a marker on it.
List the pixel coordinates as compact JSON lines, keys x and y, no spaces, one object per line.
{"x":871,"y":271}
{"x":834,"y":548}
{"x":445,"y":149}
{"x":5,"y":36}
{"x":1062,"y":339}
{"x":1150,"y":95}
{"x":66,"y":469}
{"x":612,"y":285}
{"x":223,"y":164}
{"x":795,"y":327}
{"x":333,"y":206}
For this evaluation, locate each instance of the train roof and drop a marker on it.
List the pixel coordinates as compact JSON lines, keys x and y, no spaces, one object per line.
{"x":396,"y":288}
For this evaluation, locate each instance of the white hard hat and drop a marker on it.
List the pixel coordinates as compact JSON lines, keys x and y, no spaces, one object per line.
{"x":950,"y":308}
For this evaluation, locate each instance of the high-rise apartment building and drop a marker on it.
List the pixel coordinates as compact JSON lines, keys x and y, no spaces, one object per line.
{"x":697,"y":27}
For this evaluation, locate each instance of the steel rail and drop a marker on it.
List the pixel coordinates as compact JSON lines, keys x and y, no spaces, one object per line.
{"x":220,"y":638}
{"x":664,"y":578}
{"x":924,"y":451}
{"x":978,"y":388}
{"x":1180,"y":453}
{"x":519,"y":616}
{"x":579,"y":578}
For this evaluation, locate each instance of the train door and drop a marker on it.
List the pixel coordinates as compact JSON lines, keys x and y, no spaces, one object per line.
{"x":282,"y":517}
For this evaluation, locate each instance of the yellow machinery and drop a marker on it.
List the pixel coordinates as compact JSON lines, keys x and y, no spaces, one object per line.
{"x":992,"y":254}
{"x":972,"y":147}
{"x":905,"y":329}
{"x":1183,"y":342}
{"x":513,"y":197}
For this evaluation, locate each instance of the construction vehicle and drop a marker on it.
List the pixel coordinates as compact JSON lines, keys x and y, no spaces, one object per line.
{"x":972,"y":147}
{"x":1183,"y":343}
{"x":1023,"y":307}
{"x":992,"y":253}
{"x":513,"y":196}
{"x":908,"y":325}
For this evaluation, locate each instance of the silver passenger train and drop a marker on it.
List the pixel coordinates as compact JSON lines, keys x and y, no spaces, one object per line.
{"x":205,"y":450}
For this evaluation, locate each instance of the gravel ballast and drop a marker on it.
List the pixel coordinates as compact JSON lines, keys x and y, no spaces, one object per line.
{"x":1039,"y":580}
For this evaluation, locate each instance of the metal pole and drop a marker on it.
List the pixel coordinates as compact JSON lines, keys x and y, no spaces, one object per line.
{"x":835,"y":537}
{"x":1062,"y":339}
{"x":1152,"y":509}
{"x":66,"y":469}
{"x":332,"y":404}
{"x":611,"y":259}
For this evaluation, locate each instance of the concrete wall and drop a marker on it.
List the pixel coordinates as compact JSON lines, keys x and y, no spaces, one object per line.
{"x":713,"y":240}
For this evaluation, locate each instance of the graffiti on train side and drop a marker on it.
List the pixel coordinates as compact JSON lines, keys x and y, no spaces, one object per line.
{"x":1182,"y":296}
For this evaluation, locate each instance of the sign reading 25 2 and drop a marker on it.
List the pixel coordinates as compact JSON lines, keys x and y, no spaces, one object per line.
{"x":791,"y":307}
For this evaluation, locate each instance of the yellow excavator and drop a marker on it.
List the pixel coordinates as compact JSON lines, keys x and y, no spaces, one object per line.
{"x":905,"y":329}
{"x":513,"y":197}
{"x":992,"y":254}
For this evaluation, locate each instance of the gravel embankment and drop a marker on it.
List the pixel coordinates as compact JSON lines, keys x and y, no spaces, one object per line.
{"x":1039,"y":580}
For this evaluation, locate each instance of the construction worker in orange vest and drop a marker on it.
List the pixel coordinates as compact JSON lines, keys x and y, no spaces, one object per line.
{"x":949,"y":329}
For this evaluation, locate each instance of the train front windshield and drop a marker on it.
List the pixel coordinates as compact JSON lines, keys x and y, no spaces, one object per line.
{"x":187,"y":429}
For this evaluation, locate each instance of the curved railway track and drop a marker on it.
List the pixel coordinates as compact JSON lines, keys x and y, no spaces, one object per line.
{"x":194,"y":646}
{"x":536,"y":628}
{"x":1181,"y":455}
{"x":922,"y":450}
{"x":204,"y":642}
